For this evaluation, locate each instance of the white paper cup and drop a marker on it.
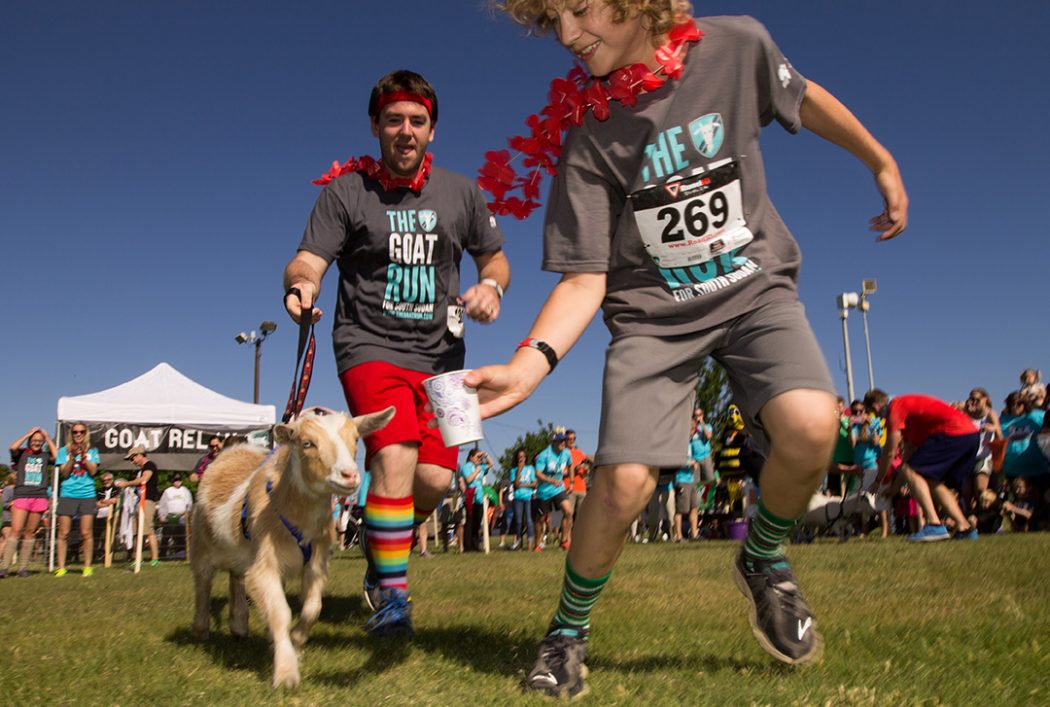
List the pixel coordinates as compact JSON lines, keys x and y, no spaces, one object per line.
{"x":455,"y":407}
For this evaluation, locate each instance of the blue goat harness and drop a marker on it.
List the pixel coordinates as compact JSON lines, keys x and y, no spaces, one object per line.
{"x":307,"y":550}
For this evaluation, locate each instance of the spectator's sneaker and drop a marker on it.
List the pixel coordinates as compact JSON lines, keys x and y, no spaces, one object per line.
{"x":22,"y":573}
{"x":780,"y":618}
{"x":61,"y":572}
{"x":538,"y":548}
{"x":564,"y":546}
{"x":394,"y":616}
{"x":929,"y":534}
{"x":559,"y":670}
{"x":516,"y":545}
{"x":970,"y":534}
{"x":88,"y":571}
{"x":154,"y":563}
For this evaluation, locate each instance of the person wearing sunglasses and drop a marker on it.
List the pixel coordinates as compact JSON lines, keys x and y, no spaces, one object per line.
{"x":77,"y":463}
{"x":215,"y":446}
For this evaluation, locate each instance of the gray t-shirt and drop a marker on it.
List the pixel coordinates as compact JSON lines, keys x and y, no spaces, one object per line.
{"x":399,"y":255}
{"x":669,"y":197}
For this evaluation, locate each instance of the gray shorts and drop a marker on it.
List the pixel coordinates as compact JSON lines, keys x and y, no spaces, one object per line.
{"x":76,"y":506}
{"x":649,"y":385}
{"x":684,"y":498}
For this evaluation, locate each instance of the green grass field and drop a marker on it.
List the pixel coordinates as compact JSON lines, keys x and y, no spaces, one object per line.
{"x":955,"y":623}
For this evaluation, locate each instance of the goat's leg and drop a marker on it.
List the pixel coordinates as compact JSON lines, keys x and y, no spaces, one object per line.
{"x":264,"y":586}
{"x":315,"y":576}
{"x":238,"y":606}
{"x":203,"y":572}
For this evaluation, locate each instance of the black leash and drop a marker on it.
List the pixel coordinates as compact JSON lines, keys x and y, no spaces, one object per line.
{"x":307,"y":344}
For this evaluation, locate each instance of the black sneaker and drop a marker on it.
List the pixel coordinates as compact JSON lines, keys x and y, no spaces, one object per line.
{"x":780,"y":618}
{"x":373,"y":597}
{"x":371,"y":581}
{"x":559,"y":670}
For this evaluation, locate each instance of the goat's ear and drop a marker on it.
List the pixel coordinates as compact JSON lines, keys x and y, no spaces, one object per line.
{"x":367,"y":424}
{"x":284,"y":434}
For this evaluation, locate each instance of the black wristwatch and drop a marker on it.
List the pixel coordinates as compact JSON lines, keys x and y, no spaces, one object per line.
{"x":544,"y":348}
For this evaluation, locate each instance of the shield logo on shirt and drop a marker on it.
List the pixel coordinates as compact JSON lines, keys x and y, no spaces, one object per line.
{"x":428,"y":219}
{"x":707,"y":132}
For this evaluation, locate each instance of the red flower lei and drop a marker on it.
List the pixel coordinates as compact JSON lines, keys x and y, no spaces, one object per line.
{"x":377,"y":171}
{"x":570,"y":100}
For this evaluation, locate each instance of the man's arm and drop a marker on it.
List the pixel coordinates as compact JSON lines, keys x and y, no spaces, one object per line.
{"x":144,"y":476}
{"x":823,"y":114}
{"x":893,"y":440}
{"x":565,"y":315}
{"x":305,"y":272}
{"x":483,"y":299}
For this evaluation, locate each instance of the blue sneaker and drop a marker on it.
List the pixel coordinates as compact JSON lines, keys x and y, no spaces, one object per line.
{"x":394,"y":616}
{"x":970,"y":534}
{"x":929,"y":534}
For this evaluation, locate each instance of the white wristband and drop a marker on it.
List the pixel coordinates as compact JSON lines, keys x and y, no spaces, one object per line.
{"x":492,"y":283}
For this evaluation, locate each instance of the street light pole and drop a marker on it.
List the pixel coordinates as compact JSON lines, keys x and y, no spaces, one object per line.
{"x":868,"y":287}
{"x":258,"y":357}
{"x":845,"y":301}
{"x":266,"y":328}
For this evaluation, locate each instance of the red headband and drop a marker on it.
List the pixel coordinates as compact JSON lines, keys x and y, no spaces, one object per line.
{"x":395,"y":96}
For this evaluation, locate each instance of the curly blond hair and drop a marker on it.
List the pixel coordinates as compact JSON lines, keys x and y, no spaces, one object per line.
{"x":658,"y":16}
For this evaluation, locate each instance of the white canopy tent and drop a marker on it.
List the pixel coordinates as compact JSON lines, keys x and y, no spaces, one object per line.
{"x":164,"y":411}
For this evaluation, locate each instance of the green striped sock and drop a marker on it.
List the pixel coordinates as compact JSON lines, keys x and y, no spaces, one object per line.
{"x":578,"y":596}
{"x":766,"y":535}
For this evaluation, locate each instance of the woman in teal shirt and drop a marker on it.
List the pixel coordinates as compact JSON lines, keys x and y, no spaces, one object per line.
{"x":77,"y":463}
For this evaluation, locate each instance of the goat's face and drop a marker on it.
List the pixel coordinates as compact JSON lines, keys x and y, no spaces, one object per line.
{"x":325,"y":445}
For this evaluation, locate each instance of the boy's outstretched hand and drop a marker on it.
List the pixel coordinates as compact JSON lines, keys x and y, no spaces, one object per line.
{"x":894,"y":218}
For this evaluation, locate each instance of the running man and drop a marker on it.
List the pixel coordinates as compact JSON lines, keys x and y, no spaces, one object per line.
{"x":397,"y":229}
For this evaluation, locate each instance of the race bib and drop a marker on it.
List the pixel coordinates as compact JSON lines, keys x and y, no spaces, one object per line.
{"x":455,"y":320}
{"x":693,"y":220}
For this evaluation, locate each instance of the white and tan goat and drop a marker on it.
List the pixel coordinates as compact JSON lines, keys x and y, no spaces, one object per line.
{"x":265,"y":517}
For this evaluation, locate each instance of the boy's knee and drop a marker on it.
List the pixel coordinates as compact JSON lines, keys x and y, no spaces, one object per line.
{"x":625,"y":489}
{"x":807,"y":436}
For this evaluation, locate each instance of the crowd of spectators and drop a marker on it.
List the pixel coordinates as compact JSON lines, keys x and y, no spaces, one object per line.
{"x":534,"y":504}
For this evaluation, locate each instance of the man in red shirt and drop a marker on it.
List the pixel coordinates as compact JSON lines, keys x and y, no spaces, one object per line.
{"x":576,"y":481}
{"x":940,"y":445}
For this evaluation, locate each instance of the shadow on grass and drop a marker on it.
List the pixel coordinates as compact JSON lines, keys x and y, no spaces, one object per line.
{"x":252,"y":653}
{"x":691,"y":663}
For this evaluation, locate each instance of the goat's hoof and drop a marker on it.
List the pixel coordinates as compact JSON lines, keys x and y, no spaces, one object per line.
{"x":298,"y":637}
{"x":286,"y":679}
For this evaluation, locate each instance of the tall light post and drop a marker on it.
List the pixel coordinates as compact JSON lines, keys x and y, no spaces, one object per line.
{"x":845,"y":301}
{"x":868,"y":287}
{"x":265,"y":329}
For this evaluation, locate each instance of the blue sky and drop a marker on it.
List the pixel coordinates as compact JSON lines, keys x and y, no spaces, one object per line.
{"x":157,"y":158}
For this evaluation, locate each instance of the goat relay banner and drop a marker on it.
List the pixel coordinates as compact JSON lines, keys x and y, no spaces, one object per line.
{"x":170,"y":447}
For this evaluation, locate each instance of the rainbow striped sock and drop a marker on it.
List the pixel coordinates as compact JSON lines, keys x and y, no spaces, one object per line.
{"x":578,"y":596}
{"x":388,"y":523}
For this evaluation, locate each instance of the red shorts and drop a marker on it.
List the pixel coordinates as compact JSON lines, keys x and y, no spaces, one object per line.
{"x":373,"y":386}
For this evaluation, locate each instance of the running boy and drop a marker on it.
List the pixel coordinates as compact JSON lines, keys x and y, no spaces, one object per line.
{"x":659,"y":216}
